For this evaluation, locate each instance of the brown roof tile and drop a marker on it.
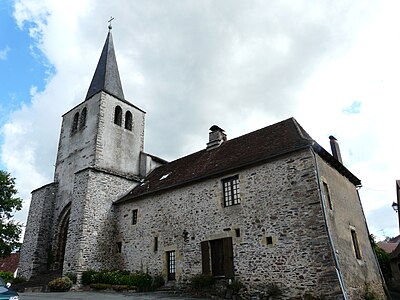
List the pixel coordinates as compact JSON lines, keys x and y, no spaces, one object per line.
{"x":255,"y":147}
{"x":9,"y":263}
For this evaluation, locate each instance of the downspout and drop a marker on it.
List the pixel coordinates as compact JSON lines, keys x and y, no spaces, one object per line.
{"x":338,"y":272}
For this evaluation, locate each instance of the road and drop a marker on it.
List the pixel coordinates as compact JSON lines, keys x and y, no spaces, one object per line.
{"x":101,"y":296}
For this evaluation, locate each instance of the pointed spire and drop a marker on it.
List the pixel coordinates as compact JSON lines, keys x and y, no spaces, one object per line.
{"x":106,"y":77}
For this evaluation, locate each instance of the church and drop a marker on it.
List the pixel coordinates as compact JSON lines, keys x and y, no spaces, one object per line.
{"x":271,"y":206}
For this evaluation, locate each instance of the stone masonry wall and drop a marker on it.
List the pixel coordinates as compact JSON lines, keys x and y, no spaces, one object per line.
{"x":279,"y":199}
{"x":92,"y":221}
{"x":37,"y":239}
{"x":343,"y":215}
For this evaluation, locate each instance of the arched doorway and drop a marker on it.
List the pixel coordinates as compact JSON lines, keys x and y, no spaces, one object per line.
{"x":63,"y":222}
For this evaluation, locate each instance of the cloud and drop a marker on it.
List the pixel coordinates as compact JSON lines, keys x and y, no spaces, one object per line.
{"x":240,"y":65}
{"x":4,"y":53}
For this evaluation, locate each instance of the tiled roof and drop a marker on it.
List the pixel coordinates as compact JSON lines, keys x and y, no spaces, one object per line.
{"x":387,"y":247}
{"x":258,"y":146}
{"x":9,"y":263}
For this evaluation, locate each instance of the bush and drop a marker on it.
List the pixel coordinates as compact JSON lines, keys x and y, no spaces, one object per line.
{"x":142,"y":281}
{"x":7,"y":276}
{"x":201,"y":281}
{"x":18,"y":280}
{"x":71,"y":276}
{"x":62,"y":284}
{"x":158,"y":281}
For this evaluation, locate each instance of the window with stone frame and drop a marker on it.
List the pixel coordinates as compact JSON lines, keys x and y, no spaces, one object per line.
{"x":356,"y":246}
{"x":134,"y":216}
{"x":231,"y":191}
{"x":118,"y":115}
{"x":217,"y":257}
{"x":82,"y":121}
{"x":327,"y":194}
{"x":75,"y":123}
{"x":119,"y":247}
{"x":171,"y":265}
{"x":128,"y":120}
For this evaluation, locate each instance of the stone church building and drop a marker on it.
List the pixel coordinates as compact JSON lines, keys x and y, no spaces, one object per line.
{"x":271,"y":206}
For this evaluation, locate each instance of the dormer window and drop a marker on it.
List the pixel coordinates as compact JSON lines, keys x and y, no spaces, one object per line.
{"x":118,"y":115}
{"x":75,"y":122}
{"x":128,"y":120}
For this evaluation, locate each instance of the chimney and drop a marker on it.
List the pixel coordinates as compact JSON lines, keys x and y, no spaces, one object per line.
{"x":335,"y":149}
{"x":216,"y":137}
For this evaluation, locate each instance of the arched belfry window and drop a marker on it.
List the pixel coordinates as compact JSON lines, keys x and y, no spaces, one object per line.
{"x":75,"y":123}
{"x":118,"y":115}
{"x":128,"y":120}
{"x":82,"y":121}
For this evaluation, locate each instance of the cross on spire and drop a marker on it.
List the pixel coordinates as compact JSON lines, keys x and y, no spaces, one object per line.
{"x":109,"y":21}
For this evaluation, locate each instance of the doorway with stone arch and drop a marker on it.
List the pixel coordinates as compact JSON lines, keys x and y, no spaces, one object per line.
{"x":62,"y":232}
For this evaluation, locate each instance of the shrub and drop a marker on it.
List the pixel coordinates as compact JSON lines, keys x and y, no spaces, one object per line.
{"x":71,"y":276}
{"x":62,"y":284}
{"x":201,"y":281}
{"x":158,"y":281}
{"x":87,"y":277}
{"x":18,"y":280}
{"x":236,"y":286}
{"x":274,"y":290}
{"x":7,"y":276}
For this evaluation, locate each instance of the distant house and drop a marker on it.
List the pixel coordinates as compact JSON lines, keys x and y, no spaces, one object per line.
{"x":271,"y":206}
{"x":10,"y":263}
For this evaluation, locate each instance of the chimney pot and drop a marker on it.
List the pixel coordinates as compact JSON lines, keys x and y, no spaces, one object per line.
{"x":216,"y":137}
{"x":335,"y":149}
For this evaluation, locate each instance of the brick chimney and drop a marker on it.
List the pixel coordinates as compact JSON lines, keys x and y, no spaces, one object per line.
{"x":216,"y":137}
{"x":335,"y":149}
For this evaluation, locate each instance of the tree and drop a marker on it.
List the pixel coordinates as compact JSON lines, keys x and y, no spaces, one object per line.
{"x":383,"y":259}
{"x":10,"y":230}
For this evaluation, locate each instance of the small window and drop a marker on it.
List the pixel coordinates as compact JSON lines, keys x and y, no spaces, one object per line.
{"x":155,"y":243}
{"x":119,"y":247}
{"x":118,"y":115}
{"x":231,"y":191}
{"x":269,"y":240}
{"x":237,"y":232}
{"x":327,"y":195}
{"x":134,"y":216}
{"x":355,"y":244}
{"x":128,"y":120}
{"x":171,"y":264}
{"x":75,"y":122}
{"x":82,"y":121}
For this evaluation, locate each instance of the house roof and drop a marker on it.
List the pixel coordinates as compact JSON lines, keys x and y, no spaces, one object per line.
{"x":253,"y":148}
{"x":387,"y":247}
{"x":106,"y":77}
{"x":9,"y":263}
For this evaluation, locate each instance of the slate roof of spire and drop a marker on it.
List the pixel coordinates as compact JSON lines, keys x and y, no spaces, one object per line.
{"x":253,"y":148}
{"x":106,"y":77}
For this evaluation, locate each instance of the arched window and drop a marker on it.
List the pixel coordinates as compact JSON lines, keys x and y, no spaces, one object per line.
{"x":128,"y":120}
{"x":75,"y":123}
{"x":82,"y":121}
{"x":118,"y":115}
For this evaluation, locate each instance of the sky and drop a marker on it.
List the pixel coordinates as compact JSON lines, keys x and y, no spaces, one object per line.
{"x":332,"y":65}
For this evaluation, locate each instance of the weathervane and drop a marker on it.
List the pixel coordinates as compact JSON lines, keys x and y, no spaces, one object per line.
{"x":109,"y":21}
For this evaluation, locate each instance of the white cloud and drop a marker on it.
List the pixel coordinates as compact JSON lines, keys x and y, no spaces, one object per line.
{"x":240,"y":65}
{"x":4,"y":53}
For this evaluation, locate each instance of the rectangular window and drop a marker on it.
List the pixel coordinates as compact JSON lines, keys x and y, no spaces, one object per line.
{"x":119,"y":247}
{"x":231,"y":191}
{"x":327,"y":194}
{"x":171,"y":264}
{"x":155,"y":243}
{"x":217,"y":257}
{"x":134,"y":216}
{"x":355,"y":244}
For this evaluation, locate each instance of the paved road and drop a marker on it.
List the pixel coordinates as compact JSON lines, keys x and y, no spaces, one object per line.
{"x":101,"y":296}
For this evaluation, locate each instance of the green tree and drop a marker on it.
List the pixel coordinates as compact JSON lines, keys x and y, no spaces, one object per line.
{"x":383,"y":259}
{"x":10,"y":230}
